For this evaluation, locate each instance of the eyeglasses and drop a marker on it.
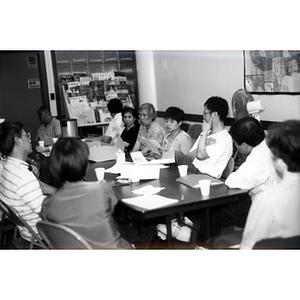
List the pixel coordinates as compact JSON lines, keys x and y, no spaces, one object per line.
{"x":45,"y":114}
{"x":206,"y":112}
{"x":27,"y":134}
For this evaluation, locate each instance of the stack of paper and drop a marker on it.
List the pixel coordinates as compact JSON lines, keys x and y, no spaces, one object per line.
{"x":150,"y":201}
{"x":102,"y":153}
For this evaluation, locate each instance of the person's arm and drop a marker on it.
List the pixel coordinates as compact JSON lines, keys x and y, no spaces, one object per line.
{"x":258,"y":222}
{"x":250,"y":174}
{"x":185,"y":144}
{"x":106,"y":139}
{"x":201,"y":149}
{"x":136,"y":146}
{"x":31,"y":193}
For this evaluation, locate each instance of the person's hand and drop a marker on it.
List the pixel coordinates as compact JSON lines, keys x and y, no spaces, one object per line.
{"x":206,"y":125}
{"x":41,"y":149}
{"x":36,"y":164}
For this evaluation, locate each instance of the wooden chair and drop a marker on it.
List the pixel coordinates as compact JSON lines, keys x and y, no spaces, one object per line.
{"x":194,"y":132}
{"x":228,"y":169}
{"x":59,"y":236}
{"x":19,"y":242}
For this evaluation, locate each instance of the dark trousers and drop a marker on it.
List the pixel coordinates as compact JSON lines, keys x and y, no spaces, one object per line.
{"x":222,"y":218}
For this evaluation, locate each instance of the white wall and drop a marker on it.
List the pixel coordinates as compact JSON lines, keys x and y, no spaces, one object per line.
{"x":188,"y":78}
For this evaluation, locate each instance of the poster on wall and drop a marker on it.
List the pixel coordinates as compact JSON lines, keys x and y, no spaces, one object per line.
{"x":31,"y":62}
{"x":272,"y":71}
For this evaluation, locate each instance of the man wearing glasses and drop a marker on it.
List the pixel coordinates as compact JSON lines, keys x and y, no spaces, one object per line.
{"x":213,"y":148}
{"x":19,"y":187}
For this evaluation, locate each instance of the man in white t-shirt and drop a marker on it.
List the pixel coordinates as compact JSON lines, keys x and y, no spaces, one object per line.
{"x":213,"y":148}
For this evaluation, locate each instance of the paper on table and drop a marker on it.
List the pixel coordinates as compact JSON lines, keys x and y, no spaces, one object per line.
{"x":139,"y":159}
{"x":153,"y":145}
{"x":150,"y":201}
{"x":148,"y":189}
{"x":168,"y":157}
{"x":102,"y":153}
{"x":140,"y":172}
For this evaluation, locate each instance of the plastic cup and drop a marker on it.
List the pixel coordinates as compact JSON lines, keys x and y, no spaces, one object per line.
{"x":50,"y":148}
{"x":182,"y":170}
{"x":42,"y":143}
{"x":100,"y":173}
{"x":204,"y":186}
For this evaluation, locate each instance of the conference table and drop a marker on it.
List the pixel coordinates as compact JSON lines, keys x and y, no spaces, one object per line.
{"x":189,"y":199}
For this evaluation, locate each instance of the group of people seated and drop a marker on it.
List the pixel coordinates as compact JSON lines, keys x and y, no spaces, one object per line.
{"x":270,"y":171}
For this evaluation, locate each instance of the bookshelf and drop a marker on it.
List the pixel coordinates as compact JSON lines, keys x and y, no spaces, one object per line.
{"x":73,"y":66}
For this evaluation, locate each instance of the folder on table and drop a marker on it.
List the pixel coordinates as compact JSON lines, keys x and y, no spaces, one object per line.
{"x":191,"y":180}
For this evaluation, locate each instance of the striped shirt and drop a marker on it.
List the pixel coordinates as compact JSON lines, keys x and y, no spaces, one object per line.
{"x":20,"y":189}
{"x":257,"y":173}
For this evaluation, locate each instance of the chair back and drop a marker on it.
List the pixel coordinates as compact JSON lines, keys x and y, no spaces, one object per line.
{"x":228,"y":169}
{"x":19,"y":221}
{"x":278,"y":243}
{"x":194,"y":132}
{"x":59,"y":236}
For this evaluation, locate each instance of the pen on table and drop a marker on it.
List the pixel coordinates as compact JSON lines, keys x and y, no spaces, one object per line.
{"x":217,"y":183}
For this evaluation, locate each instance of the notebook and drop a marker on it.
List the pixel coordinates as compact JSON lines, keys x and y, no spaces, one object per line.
{"x":191,"y":180}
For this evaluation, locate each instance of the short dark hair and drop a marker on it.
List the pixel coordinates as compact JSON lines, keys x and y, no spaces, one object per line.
{"x":115,"y":106}
{"x":247,"y":130}
{"x":219,"y":105}
{"x":150,"y":110}
{"x":283,"y":139}
{"x":42,"y":109}
{"x":174,"y":113}
{"x":69,"y":160}
{"x":128,"y":109}
{"x":8,"y":132}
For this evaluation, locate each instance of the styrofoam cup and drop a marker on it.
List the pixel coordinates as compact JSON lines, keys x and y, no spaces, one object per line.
{"x":204,"y":186}
{"x":182,"y":170}
{"x":42,"y":143}
{"x":100,"y":173}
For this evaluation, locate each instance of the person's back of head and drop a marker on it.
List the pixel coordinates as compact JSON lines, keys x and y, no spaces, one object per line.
{"x":247,"y":130}
{"x":284,"y":142}
{"x":8,"y":132}
{"x":174,"y":113}
{"x":219,"y":105}
{"x":115,"y":106}
{"x":69,"y":160}
{"x":150,"y":110}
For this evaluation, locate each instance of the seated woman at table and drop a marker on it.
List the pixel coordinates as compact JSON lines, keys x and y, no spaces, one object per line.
{"x":85,"y":207}
{"x":176,"y":138}
{"x":115,"y":126}
{"x":149,"y":129}
{"x":132,"y":127}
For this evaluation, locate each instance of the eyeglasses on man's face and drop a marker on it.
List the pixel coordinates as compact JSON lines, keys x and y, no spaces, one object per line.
{"x":27,"y":134}
{"x":206,"y":112}
{"x":44,"y":114}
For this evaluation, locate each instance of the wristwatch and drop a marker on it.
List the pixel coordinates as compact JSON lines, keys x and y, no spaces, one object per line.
{"x":203,"y":133}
